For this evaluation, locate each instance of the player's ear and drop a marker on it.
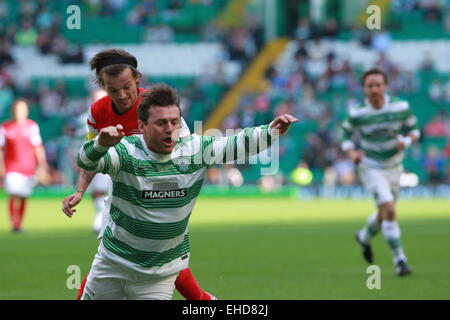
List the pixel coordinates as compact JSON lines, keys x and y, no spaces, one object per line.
{"x":141,"y":126}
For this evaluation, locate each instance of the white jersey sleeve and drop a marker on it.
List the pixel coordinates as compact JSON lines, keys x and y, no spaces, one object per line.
{"x":35,"y":135}
{"x":2,"y":137}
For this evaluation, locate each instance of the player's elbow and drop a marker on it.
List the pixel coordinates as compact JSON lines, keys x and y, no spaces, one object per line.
{"x":83,"y":165}
{"x":347,"y":145}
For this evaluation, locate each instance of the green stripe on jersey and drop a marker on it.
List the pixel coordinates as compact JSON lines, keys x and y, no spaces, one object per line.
{"x":84,"y":166}
{"x":148,"y":230}
{"x":107,"y":163}
{"x":149,"y":168}
{"x":380,"y":118}
{"x":91,"y":153}
{"x":383,"y":155}
{"x":386,"y":136}
{"x":146,"y":259}
{"x":137,"y":142}
{"x":134,"y":196}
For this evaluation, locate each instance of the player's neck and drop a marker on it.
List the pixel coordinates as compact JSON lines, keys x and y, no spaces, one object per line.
{"x":158,"y":155}
{"x":120,"y":111}
{"x":20,"y":121}
{"x":378,"y":104}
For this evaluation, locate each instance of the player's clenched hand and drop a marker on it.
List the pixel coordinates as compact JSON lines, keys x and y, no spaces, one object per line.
{"x":403,"y":142}
{"x":70,"y":202}
{"x":283,"y":122}
{"x":356,"y":156}
{"x":110,"y":136}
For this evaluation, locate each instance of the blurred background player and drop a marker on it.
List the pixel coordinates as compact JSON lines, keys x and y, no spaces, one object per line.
{"x":22,"y":155}
{"x":387,"y":127}
{"x":116,"y":72}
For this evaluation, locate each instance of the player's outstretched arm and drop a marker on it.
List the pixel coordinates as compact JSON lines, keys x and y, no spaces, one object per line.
{"x":84,"y":180}
{"x":92,"y":152}
{"x":282,"y":123}
{"x":97,"y":155}
{"x":108,"y":137}
{"x":248,"y":142}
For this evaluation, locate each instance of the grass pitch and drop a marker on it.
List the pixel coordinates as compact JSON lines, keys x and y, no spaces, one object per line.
{"x":246,"y":248}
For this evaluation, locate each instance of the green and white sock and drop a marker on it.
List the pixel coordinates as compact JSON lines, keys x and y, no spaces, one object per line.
{"x":371,"y":229}
{"x":391,"y":232}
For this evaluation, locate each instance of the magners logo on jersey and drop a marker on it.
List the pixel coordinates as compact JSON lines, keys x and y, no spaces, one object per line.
{"x":166,"y":194}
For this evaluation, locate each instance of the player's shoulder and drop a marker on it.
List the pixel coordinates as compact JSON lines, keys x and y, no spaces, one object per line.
{"x":101,"y":105}
{"x":142,"y":90}
{"x":398,"y":104}
{"x":188,"y":145}
{"x":133,"y":139}
{"x":6,"y":123}
{"x":133,"y":143}
{"x":396,"y":99}
{"x":189,"y":138}
{"x":358,"y":109}
{"x":31,"y":123}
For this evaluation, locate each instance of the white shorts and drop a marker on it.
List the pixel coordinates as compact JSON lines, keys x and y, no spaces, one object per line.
{"x":19,"y":184}
{"x":108,"y":281}
{"x":100,"y":183}
{"x":383,"y":184}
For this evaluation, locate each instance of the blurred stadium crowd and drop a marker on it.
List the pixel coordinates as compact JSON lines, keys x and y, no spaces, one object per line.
{"x":311,"y":80}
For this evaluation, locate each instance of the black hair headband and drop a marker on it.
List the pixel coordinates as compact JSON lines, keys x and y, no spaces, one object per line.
{"x":117,"y":60}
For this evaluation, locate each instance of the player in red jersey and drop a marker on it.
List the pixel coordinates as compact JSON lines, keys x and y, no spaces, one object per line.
{"x":116,"y":72}
{"x":22,"y":154}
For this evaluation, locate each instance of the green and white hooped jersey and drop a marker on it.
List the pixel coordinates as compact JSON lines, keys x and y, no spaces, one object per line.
{"x":153,"y":195}
{"x":379,"y":129}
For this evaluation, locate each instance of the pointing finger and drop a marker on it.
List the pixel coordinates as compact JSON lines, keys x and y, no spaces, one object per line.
{"x":291,"y":118}
{"x":283,"y":119}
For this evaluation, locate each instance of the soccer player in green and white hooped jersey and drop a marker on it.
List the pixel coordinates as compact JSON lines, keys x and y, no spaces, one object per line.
{"x":146,"y":242}
{"x":387,"y":127}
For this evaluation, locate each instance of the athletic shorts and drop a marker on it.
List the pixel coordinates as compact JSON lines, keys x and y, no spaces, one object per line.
{"x":19,"y":184}
{"x":382,"y":184}
{"x":100,"y":183}
{"x":109,"y":281}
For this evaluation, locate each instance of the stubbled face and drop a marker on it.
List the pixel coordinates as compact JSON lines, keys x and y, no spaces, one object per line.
{"x":162,"y":128}
{"x":374,"y":89}
{"x":122,"y":89}
{"x":20,"y":111}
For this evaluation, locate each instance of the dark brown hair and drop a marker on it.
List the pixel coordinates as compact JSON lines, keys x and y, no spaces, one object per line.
{"x":374,"y":71}
{"x":161,"y":95}
{"x":112,"y":62}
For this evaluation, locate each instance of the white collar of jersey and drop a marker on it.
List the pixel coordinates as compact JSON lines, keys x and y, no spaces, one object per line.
{"x":154,"y":155}
{"x":386,"y":102}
